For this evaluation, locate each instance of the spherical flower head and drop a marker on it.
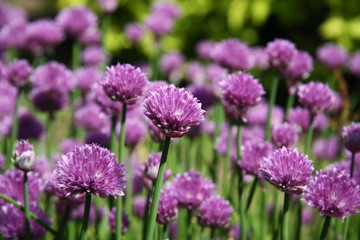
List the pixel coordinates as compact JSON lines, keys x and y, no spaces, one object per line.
{"x":241,"y":90}
{"x":287,"y":169}
{"x":332,"y":55}
{"x":10,"y":14}
{"x":12,"y":35}
{"x":124,"y":83}
{"x":204,"y":94}
{"x":170,"y":62}
{"x":168,"y":207}
{"x":351,"y":135}
{"x":108,"y":6}
{"x":90,"y":36}
{"x":139,"y":206}
{"x":315,"y":96}
{"x":49,"y":100}
{"x":91,"y":118}
{"x":259,"y":58}
{"x":203,"y":49}
{"x":215,"y":212}
{"x":134,"y":32}
{"x":169,"y":9}
{"x":216,"y":73}
{"x":91,"y":169}
{"x":160,"y":24}
{"x":327,"y":148}
{"x":68,"y":144}
{"x":257,"y":115}
{"x":333,"y":193}
{"x":100,"y":138}
{"x":354,"y":64}
{"x":191,"y":189}
{"x":195,"y":73}
{"x":284,"y":135}
{"x":280,"y":52}
{"x":135,"y":131}
{"x":75,"y":20}
{"x":8,"y":94}
{"x":336,"y":103}
{"x":93,"y":55}
{"x":173,"y":110}
{"x":299,"y":117}
{"x":24,"y":156}
{"x":125,"y":222}
{"x":86,"y":76}
{"x":232,"y":54}
{"x":152,"y":165}
{"x":12,"y":222}
{"x":98,"y":95}
{"x":320,"y":122}
{"x":19,"y":72}
{"x":253,"y":153}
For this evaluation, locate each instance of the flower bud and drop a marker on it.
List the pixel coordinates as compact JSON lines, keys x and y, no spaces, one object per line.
{"x":24,"y":156}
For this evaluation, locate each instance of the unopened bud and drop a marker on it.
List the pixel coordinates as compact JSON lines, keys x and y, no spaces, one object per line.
{"x":24,"y":156}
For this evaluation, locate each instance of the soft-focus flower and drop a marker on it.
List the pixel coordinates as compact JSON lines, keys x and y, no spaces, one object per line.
{"x":124,"y":83}
{"x":257,"y":115}
{"x":203,"y":49}
{"x":299,"y":117}
{"x":191,"y":189}
{"x":171,"y":62}
{"x":139,"y":206}
{"x":91,"y":169}
{"x":19,"y":72}
{"x":259,"y":58}
{"x":252,"y":155}
{"x":99,"y":138}
{"x":91,"y":36}
{"x":215,"y":74}
{"x":93,"y":55}
{"x":68,"y":144}
{"x":160,"y":24}
{"x":354,"y":64}
{"x":170,"y":9}
{"x":351,"y":135}
{"x":195,"y":73}
{"x":215,"y":212}
{"x":168,"y":209}
{"x":316,"y":96}
{"x":125,"y":222}
{"x":135,"y":131}
{"x":173,"y":110}
{"x":10,"y":14}
{"x":155,"y":133}
{"x":204,"y":94}
{"x":86,"y":76}
{"x":332,"y":55}
{"x":327,"y":148}
{"x":333,"y":193}
{"x":288,"y":170}
{"x":320,"y":122}
{"x":2,"y":162}
{"x":336,"y":103}
{"x":281,"y":52}
{"x":134,"y":32}
{"x":24,"y":156}
{"x":90,"y":117}
{"x":232,"y":54}
{"x":12,"y":35}
{"x":108,"y":6}
{"x":98,"y":95}
{"x":284,"y":135}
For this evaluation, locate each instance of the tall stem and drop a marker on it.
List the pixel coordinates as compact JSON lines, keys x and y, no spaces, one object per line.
{"x":299,"y":221}
{"x":252,"y":193}
{"x":26,"y":207}
{"x":240,"y":183}
{"x":285,"y":219}
{"x":15,"y":127}
{"x":158,"y":182}
{"x":121,"y":148}
{"x":155,"y":61}
{"x":146,"y":215}
{"x":165,"y":231}
{"x":62,"y":225}
{"x":49,"y":124}
{"x":226,"y":168}
{"x":352,"y":164}
{"x":276,"y":217}
{"x":75,"y":57}
{"x":325,"y":228}
{"x":85,"y":220}
{"x":274,"y":87}
{"x":289,"y":103}
{"x":309,"y":136}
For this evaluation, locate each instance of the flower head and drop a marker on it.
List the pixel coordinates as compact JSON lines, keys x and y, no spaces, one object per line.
{"x":86,"y":76}
{"x":354,"y":64}
{"x":152,"y":165}
{"x":333,"y":193}
{"x":204,"y":94}
{"x":139,"y":206}
{"x":316,"y":96}
{"x":299,"y":117}
{"x":91,"y":169}
{"x":134,"y":32}
{"x":93,"y":55}
{"x":169,"y":9}
{"x":332,"y":55}
{"x":351,"y":134}
{"x":173,"y":110}
{"x":288,"y":170}
{"x":281,"y":52}
{"x":284,"y":135}
{"x":168,"y":207}
{"x":171,"y":62}
{"x":204,"y":48}
{"x":18,"y":72}
{"x":159,"y":23}
{"x":108,"y":6}
{"x":215,"y":212}
{"x":124,"y":83}
{"x":327,"y":148}
{"x":90,"y":117}
{"x":260,"y":58}
{"x":24,"y":156}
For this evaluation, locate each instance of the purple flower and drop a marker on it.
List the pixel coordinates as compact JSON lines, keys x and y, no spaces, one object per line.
{"x":336,"y":103}
{"x":76,"y":20}
{"x":320,"y":122}
{"x":195,"y":73}
{"x":90,"y":36}
{"x":139,"y":206}
{"x":327,"y":148}
{"x":134,"y":32}
{"x":49,"y":99}
{"x":232,"y":53}
{"x":91,"y":118}
{"x":171,"y":62}
{"x":354,"y":64}
{"x":86,"y":76}
{"x":204,"y":94}
{"x":168,"y":209}
{"x":316,"y":96}
{"x":19,"y":72}
{"x":91,"y":169}
{"x":203,"y":49}
{"x":191,"y":189}
{"x":159,"y":23}
{"x":68,"y":144}
{"x":332,"y":55}
{"x":257,"y":115}
{"x":10,"y":14}
{"x":12,"y":224}
{"x":215,"y":212}
{"x":299,"y":117}
{"x":173,"y":110}
{"x":99,"y":138}
{"x":260,"y":58}
{"x":8,"y":95}
{"x":234,"y":232}
{"x":93,"y":55}
{"x":284,"y":135}
{"x":333,"y":193}
{"x":154,"y":132}
{"x":215,"y":74}
{"x":135,"y":131}
{"x":12,"y":35}
{"x":125,"y":222}
{"x":288,"y":170}
{"x":2,"y":162}
{"x":351,"y":135}
{"x":98,"y":95}
{"x":124,"y":83}
{"x":281,"y":52}
{"x":24,"y":156}
{"x":253,"y":153}
{"x":108,"y":6}
{"x":170,"y":9}
{"x":152,"y":165}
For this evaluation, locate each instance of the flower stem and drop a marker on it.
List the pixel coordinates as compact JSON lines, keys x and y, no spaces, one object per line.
{"x":158,"y":182}
{"x":299,"y":221}
{"x":165,"y":231}
{"x":15,"y":127}
{"x":85,"y":220}
{"x":352,"y":164}
{"x":325,"y":228}
{"x":285,"y":219}
{"x":227,"y":159}
{"x":274,"y":87}
{"x":346,"y":228}
{"x":146,"y":215}
{"x":26,"y":207}
{"x":62,"y":224}
{"x":276,"y":217}
{"x":252,"y":193}
{"x":32,"y":215}
{"x":289,"y":103}
{"x":309,"y":137}
{"x":49,"y":124}
{"x":75,"y":57}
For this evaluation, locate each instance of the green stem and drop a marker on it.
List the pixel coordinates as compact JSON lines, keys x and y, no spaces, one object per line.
{"x":299,"y":221}
{"x":274,"y":88}
{"x":252,"y":193}
{"x":158,"y":182}
{"x":85,"y":220}
{"x":26,"y":207}
{"x":325,"y":228}
{"x":15,"y":127}
{"x":155,"y":61}
{"x":352,"y":164}
{"x":129,"y":187}
{"x":212,"y":233}
{"x":165,"y":232}
{"x":63,"y":222}
{"x":309,"y":137}
{"x":285,"y":219}
{"x":262,"y":210}
{"x":113,"y":134}
{"x":32,"y":215}
{"x":75,"y":57}
{"x":276,"y":217}
{"x":146,"y":215}
{"x":49,"y":124}
{"x":12,"y":54}
{"x":289,"y":103}
{"x":227,"y":162}
{"x":346,"y":228}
